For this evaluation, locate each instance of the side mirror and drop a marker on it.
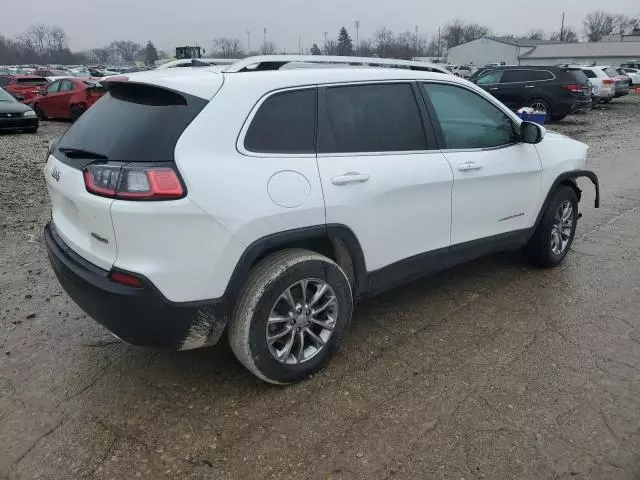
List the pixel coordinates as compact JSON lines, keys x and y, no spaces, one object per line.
{"x":531,"y":132}
{"x":43,"y":91}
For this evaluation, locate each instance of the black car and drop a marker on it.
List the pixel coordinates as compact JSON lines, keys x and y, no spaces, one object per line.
{"x":558,"y":91}
{"x":16,"y":116}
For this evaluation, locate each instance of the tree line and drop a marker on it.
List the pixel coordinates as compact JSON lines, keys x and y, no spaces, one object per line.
{"x":42,"y":44}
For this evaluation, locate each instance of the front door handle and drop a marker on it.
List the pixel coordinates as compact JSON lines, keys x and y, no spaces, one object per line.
{"x":494,"y":88}
{"x":469,"y":166}
{"x":350,"y":177}
{"x":529,"y":86}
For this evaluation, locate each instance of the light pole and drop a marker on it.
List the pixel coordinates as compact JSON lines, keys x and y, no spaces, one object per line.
{"x":416,"y":49}
{"x":325,"y":40}
{"x":264,"y":46}
{"x":357,"y":24}
{"x":248,"y":41}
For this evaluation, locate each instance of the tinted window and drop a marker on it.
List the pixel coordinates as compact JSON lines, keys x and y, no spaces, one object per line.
{"x":589,"y":73}
{"x":54,"y":87}
{"x":490,"y":78}
{"x":371,"y":118}
{"x":628,"y":70}
{"x":512,"y":76}
{"x":284,"y":123}
{"x":133,"y":123}
{"x":468,"y":120}
{"x":576,"y":75}
{"x":4,"y":81}
{"x":32,"y":81}
{"x":66,"y":86}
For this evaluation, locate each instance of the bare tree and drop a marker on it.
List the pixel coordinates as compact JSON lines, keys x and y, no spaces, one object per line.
{"x":536,"y":34}
{"x":330,"y":48}
{"x":383,"y":41}
{"x":57,"y":39}
{"x":568,"y":35}
{"x":597,"y":25}
{"x":127,"y":49}
{"x":457,"y":32}
{"x":365,"y":49}
{"x":37,"y":36}
{"x":228,"y":47}
{"x":102,"y":55}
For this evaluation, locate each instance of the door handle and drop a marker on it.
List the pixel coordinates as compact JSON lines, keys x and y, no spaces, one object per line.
{"x":350,"y":177}
{"x":494,"y":88}
{"x":529,"y":86}
{"x":469,"y":166}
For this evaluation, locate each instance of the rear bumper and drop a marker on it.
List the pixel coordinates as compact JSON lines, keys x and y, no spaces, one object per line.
{"x":139,"y":316}
{"x":18,"y":123}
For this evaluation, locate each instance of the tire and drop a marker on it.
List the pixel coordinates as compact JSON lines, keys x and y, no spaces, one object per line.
{"x":263,"y":297}
{"x":542,"y":103}
{"x":39,"y":112}
{"x":32,"y":130}
{"x":540,"y":248}
{"x":76,"y":112}
{"x":557,"y":118}
{"x":606,"y":100}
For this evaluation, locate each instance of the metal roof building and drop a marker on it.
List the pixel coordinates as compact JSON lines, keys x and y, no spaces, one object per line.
{"x":598,"y":53}
{"x":492,"y":50}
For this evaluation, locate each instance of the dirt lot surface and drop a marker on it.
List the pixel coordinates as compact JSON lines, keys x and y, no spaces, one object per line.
{"x":492,"y":370}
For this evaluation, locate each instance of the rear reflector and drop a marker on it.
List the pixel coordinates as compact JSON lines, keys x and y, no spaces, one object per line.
{"x":126,"y":279}
{"x":133,"y":182}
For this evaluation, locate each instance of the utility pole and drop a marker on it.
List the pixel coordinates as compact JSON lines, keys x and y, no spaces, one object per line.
{"x":325,"y":41}
{"x":264,"y":47}
{"x":299,"y":45}
{"x":562,"y":29}
{"x":439,"y":53}
{"x":357,"y":24}
{"x":416,"y":49}
{"x":248,"y":41}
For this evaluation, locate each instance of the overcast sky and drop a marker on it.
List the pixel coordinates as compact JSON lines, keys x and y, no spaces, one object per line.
{"x":169,"y":23}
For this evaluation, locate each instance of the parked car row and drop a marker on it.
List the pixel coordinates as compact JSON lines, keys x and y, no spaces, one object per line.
{"x":557,"y":91}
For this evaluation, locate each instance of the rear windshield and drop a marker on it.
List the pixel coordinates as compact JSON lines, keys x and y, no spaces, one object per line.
{"x":132,"y":123}
{"x":577,"y":75}
{"x":610,"y":71}
{"x":32,"y":81}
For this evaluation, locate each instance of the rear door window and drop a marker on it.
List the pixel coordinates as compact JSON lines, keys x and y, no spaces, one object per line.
{"x":284,"y":123}
{"x":371,"y":118}
{"x":589,"y":73}
{"x":54,"y":87}
{"x":131,"y":123}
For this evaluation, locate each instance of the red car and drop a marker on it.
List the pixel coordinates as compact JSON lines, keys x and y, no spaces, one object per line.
{"x":67,"y":98}
{"x":22,"y":87}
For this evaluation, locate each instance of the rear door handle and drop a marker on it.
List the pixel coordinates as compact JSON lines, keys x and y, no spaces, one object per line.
{"x":350,"y":177}
{"x":494,"y":88}
{"x":529,"y":86}
{"x":469,"y":166}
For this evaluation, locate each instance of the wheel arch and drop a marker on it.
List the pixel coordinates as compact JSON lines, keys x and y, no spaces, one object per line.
{"x":569,"y":179}
{"x":335,"y":241}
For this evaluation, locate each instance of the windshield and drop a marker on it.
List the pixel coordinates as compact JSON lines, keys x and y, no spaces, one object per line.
{"x":6,"y":97}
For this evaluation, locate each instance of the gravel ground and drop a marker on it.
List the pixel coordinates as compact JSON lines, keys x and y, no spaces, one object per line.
{"x":491,"y":370}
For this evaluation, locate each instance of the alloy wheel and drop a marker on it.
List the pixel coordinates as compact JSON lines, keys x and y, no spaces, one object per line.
{"x":562,"y":228}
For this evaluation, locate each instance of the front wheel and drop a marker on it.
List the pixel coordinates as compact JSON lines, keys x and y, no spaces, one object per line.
{"x":39,"y":112}
{"x":553,"y":236}
{"x":291,"y":316}
{"x":540,"y":105}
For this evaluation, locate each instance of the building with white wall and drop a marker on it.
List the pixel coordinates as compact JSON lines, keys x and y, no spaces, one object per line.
{"x":597,"y":53}
{"x":492,"y":50}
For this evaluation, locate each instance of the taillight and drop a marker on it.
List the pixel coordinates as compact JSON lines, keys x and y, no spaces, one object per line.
{"x":608,"y":81}
{"x":575,"y":88}
{"x":133,"y":182}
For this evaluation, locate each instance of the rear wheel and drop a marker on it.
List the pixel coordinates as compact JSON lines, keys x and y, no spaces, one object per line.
{"x":606,"y":100}
{"x":76,"y":112}
{"x":540,"y":105}
{"x":291,"y":316}
{"x":32,"y":130}
{"x":553,"y":236}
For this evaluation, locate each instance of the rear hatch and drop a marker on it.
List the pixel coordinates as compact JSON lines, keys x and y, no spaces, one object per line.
{"x":95,"y":90}
{"x":582,"y":84}
{"x":132,"y":124}
{"x":27,"y":88}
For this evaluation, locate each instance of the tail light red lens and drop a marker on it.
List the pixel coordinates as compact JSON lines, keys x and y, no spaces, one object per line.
{"x":126,"y":279}
{"x":608,"y":81}
{"x":133,"y":182}
{"x":575,"y":88}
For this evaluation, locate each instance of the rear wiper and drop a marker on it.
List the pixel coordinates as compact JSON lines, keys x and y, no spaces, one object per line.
{"x":81,"y":153}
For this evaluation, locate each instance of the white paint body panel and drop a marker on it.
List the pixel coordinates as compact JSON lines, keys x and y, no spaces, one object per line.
{"x":502,"y":195}
{"x":404,"y":209}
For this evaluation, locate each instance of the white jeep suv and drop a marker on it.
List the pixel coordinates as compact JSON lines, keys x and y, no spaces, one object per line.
{"x":265,"y":201}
